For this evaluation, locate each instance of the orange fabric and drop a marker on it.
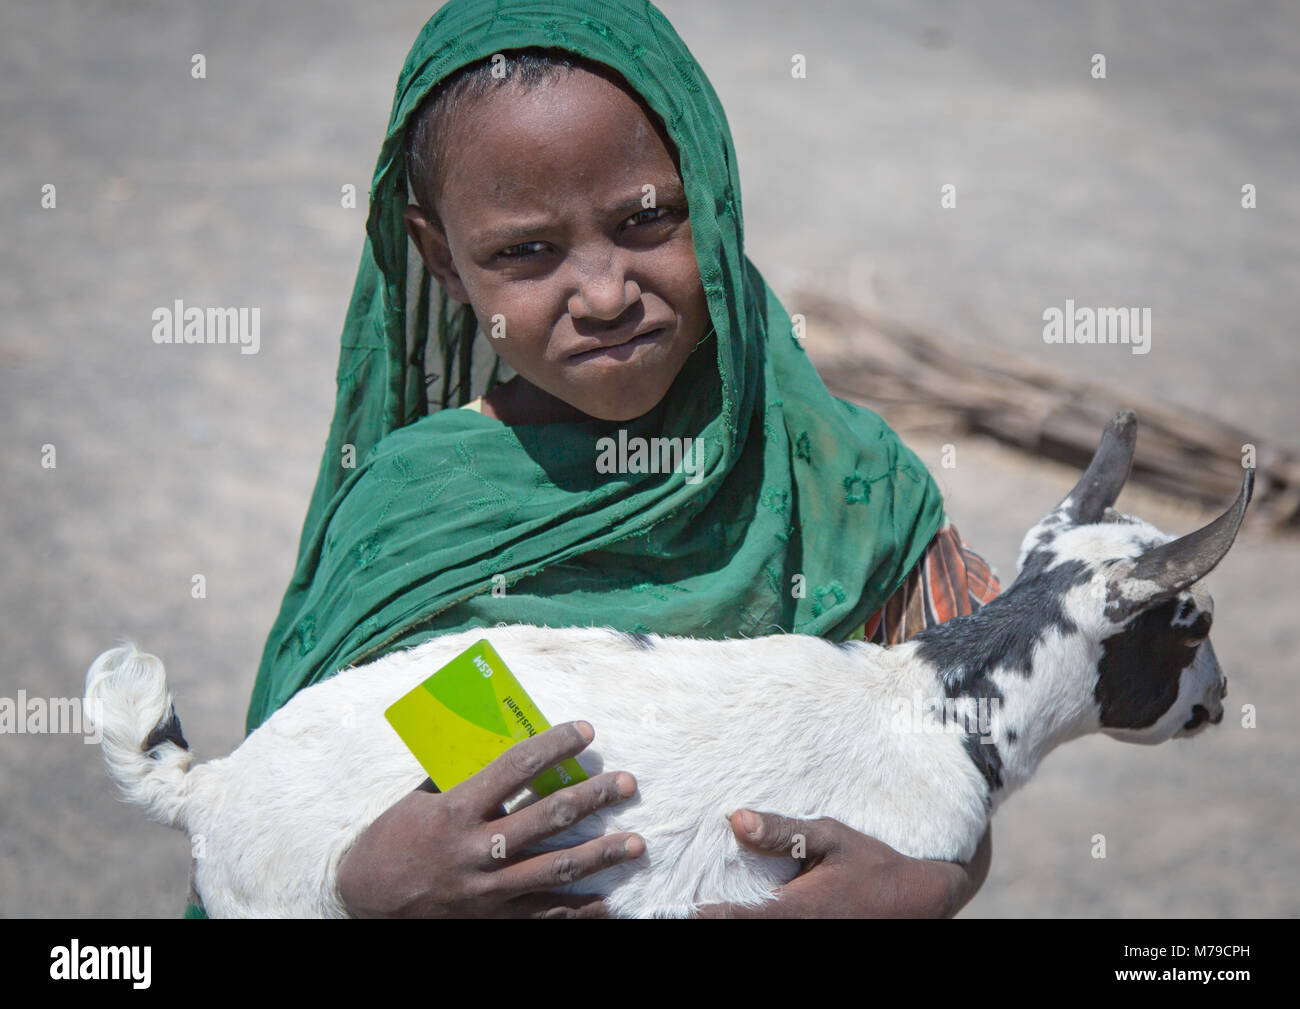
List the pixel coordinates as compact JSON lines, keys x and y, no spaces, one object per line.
{"x":950,"y":580}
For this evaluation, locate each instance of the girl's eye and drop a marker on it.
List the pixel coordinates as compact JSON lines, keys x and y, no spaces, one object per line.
{"x":655,"y":213}
{"x":523,"y":250}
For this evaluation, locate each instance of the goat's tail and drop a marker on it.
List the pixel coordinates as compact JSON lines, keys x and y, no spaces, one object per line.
{"x":128,"y":702}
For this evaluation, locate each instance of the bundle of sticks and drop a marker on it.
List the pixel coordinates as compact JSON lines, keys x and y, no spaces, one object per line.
{"x":921,"y":382}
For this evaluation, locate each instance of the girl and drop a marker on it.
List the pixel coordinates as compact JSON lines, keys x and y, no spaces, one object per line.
{"x":578,"y":213}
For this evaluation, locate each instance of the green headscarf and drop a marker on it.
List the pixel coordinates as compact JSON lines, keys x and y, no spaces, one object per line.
{"x":417,"y":516}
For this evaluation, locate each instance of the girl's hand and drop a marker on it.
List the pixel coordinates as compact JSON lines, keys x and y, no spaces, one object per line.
{"x":453,"y":853}
{"x":847,"y":874}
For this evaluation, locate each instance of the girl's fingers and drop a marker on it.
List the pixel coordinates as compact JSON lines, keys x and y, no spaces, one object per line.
{"x":559,"y":868}
{"x":773,"y":834}
{"x":489,"y":788}
{"x":559,"y":811}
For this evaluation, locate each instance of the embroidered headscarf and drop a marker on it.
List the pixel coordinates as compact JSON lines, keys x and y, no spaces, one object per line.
{"x":806,"y":513}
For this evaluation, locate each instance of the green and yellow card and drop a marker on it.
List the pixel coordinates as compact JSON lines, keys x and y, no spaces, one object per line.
{"x":467,"y":714}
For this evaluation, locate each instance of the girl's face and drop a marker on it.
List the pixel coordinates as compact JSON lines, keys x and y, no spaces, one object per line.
{"x":549,"y":238}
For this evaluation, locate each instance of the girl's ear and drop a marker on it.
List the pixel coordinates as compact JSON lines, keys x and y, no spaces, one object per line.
{"x":431,"y":241}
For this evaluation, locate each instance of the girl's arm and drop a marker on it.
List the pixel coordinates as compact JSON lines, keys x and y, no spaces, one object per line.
{"x":438,"y":854}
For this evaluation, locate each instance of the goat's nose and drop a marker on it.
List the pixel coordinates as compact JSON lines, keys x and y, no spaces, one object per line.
{"x":1214,"y":704}
{"x":1223,"y":688}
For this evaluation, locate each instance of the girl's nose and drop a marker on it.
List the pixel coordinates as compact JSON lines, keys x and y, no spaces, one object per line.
{"x":603,"y":292}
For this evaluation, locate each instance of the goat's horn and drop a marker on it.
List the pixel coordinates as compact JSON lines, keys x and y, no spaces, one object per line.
{"x":1188,"y":559}
{"x":1104,"y":478}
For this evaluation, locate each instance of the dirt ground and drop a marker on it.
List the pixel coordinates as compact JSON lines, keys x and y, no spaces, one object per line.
{"x":177,"y":461}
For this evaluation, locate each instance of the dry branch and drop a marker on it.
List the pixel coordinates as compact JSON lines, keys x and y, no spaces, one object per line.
{"x":920,"y":382}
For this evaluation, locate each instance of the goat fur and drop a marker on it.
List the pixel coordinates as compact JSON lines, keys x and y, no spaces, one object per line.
{"x":785,"y":723}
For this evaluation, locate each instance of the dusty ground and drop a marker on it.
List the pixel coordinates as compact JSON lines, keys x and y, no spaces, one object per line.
{"x":173,"y":461}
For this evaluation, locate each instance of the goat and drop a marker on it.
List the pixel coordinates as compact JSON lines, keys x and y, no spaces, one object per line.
{"x":1104,"y":629}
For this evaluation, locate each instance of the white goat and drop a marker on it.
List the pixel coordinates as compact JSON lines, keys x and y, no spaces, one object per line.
{"x":1105,"y":628}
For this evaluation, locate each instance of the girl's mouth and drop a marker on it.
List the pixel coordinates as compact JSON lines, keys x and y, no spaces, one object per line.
{"x":621,"y":351}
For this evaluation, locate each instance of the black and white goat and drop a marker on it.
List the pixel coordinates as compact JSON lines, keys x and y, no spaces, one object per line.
{"x":1104,"y":629}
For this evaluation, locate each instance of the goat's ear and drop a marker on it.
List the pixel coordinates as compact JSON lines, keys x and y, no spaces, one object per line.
{"x":1104,"y":478}
{"x":1166,"y":570}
